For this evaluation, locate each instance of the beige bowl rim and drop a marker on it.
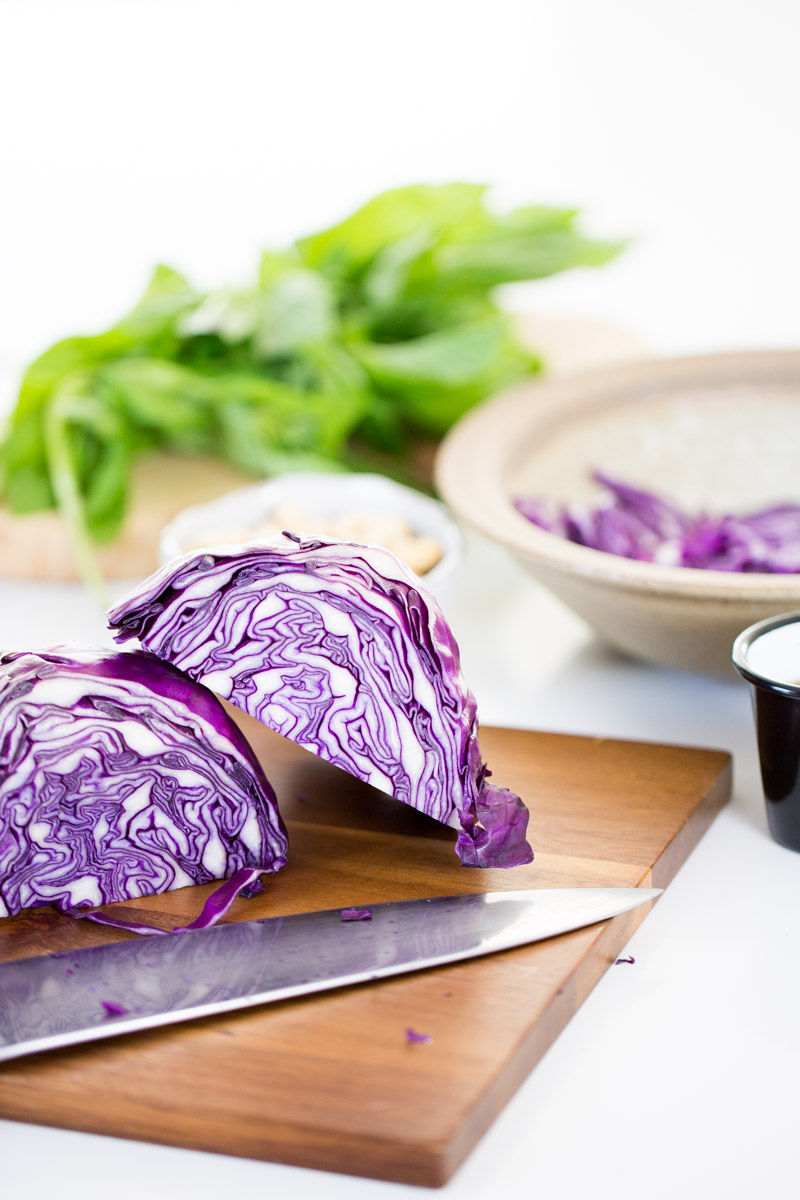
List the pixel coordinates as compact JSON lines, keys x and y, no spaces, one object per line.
{"x":471,"y":459}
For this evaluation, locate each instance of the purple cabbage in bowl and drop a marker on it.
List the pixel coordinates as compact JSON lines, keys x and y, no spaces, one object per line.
{"x":641,"y":525}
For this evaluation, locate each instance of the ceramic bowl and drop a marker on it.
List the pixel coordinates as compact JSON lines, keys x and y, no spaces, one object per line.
{"x":329,"y":495}
{"x":719,"y":433}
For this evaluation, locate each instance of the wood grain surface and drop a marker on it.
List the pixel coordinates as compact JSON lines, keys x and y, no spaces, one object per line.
{"x":37,"y":546}
{"x":329,"y":1081}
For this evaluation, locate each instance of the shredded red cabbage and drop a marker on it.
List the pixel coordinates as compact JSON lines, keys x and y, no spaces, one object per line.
{"x":638,"y":524}
{"x":356,"y":914}
{"x":116,"y":922}
{"x":253,"y":889}
{"x":112,"y":1009}
{"x":342,"y":649}
{"x":214,"y":909}
{"x":413,"y":1037}
{"x":628,"y":959}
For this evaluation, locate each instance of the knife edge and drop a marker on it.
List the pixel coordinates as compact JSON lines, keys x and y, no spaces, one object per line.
{"x":477,"y":924}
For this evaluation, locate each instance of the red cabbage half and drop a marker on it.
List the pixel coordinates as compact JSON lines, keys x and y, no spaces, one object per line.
{"x":342,"y":649}
{"x":120,"y":777}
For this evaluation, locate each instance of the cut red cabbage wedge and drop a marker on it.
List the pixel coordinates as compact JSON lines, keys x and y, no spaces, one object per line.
{"x":342,"y":649}
{"x":121,"y":777}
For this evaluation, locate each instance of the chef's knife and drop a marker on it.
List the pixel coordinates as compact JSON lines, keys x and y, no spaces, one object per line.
{"x":77,"y":996}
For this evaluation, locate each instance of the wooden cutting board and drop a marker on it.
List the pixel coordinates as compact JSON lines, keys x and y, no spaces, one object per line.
{"x":330,"y":1081}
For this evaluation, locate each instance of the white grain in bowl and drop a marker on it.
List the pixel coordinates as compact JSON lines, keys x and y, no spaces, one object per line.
{"x":381,"y":501}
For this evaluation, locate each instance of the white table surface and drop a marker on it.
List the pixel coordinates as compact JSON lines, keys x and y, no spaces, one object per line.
{"x":195,"y":132}
{"x":678,"y":1073}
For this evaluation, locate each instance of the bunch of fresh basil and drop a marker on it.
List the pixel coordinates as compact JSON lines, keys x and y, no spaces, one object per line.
{"x":357,"y":338}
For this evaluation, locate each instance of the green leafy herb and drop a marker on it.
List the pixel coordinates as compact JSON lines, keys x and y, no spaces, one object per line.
{"x":347,"y":345}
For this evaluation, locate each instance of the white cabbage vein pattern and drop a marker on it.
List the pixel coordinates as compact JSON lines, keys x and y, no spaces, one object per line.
{"x":340,"y":648}
{"x":117,"y":787}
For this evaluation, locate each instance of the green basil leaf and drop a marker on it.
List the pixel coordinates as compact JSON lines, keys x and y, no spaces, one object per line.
{"x":438,"y":377}
{"x":510,"y":259}
{"x":297,"y":308}
{"x":346,"y":249}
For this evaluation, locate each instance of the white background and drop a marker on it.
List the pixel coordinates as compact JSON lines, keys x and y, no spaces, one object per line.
{"x":196,"y":133}
{"x":134,"y":131}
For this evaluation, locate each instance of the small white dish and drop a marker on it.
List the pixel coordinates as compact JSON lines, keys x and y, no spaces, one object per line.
{"x":329,"y":495}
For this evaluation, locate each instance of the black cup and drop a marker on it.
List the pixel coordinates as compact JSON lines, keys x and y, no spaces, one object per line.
{"x":777,"y":713}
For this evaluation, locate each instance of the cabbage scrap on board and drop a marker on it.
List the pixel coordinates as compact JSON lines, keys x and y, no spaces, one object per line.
{"x":120,"y":777}
{"x":342,"y":649}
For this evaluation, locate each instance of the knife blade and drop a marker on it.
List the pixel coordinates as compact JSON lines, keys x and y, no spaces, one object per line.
{"x":61,"y":999}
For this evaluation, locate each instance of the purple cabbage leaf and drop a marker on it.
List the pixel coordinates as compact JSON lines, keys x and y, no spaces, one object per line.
{"x":341,"y":648}
{"x":356,"y":914}
{"x":121,"y":777}
{"x":638,"y":524}
{"x":245,"y":882}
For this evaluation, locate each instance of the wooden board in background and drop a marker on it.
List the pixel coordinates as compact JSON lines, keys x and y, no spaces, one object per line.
{"x":329,"y":1081}
{"x":37,"y":546}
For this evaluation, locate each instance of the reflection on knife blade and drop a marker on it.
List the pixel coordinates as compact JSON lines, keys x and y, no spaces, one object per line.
{"x":62,"y":999}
